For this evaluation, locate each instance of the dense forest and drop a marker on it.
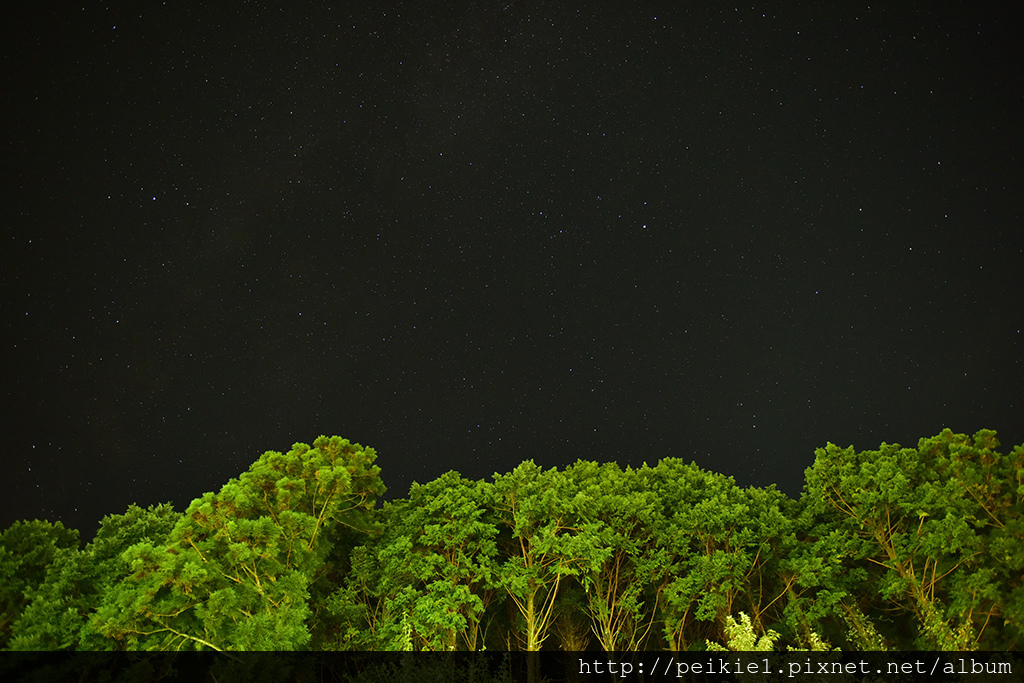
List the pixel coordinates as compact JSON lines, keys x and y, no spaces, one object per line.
{"x":896,"y":548}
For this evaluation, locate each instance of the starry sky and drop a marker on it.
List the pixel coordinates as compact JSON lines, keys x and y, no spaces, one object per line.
{"x":469,"y":234}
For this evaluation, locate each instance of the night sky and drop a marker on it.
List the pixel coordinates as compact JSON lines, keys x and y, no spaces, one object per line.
{"x":486,"y":232}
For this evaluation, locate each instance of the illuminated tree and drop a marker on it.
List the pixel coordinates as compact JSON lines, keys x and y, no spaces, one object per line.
{"x":936,"y":531}
{"x":76,"y":581}
{"x":236,"y":570}
{"x":426,"y":581}
{"x":26,"y":551}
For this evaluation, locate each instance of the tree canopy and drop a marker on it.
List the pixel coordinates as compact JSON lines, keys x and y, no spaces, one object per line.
{"x":892,"y":548}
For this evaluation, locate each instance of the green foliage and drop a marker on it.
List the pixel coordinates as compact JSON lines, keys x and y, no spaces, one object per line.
{"x":740,"y":637}
{"x":616,"y":515}
{"x":427,"y":579}
{"x":543,"y":545}
{"x":235,"y":571}
{"x":934,"y":531}
{"x":27,"y":549}
{"x":717,"y":543}
{"x":889,"y":548}
{"x":76,"y":580}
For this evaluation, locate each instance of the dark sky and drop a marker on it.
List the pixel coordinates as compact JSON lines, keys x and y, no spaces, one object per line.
{"x":493,"y":231}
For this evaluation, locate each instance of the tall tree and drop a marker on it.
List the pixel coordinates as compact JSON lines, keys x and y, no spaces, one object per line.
{"x":235,"y":571}
{"x":824,"y":592}
{"x":541,"y":547}
{"x":717,"y":539}
{"x":27,"y":549}
{"x":992,"y":486}
{"x":616,"y":513}
{"x":940,"y":525}
{"x":425,"y":583}
{"x":77,"y":580}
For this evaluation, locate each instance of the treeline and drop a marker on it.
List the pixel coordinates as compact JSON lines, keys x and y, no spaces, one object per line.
{"x":895,"y":548}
